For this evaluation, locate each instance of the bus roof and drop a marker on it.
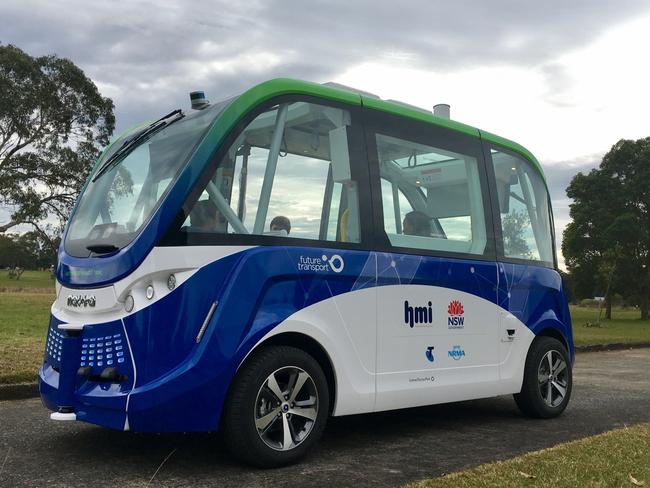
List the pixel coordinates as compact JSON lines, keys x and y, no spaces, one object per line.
{"x":286,"y":86}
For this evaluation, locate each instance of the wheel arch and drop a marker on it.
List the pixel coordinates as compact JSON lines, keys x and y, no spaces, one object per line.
{"x":555,"y":333}
{"x":312,"y":347}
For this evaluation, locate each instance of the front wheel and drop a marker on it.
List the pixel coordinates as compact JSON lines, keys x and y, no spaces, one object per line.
{"x":277,"y":407}
{"x":548,"y":381}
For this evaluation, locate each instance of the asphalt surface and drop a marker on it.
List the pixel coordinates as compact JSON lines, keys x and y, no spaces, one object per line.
{"x":611,"y":389}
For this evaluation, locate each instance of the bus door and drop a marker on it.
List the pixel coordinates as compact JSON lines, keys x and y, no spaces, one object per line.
{"x":528,"y":284}
{"x":437,"y":277}
{"x":292,"y":186}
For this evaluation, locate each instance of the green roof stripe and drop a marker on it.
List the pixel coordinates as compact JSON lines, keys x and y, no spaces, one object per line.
{"x":285,"y":86}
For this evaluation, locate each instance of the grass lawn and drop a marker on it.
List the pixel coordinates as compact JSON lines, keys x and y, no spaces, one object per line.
{"x":28,"y":280}
{"x":24,"y":319}
{"x":616,"y":458}
{"x":625,"y":326}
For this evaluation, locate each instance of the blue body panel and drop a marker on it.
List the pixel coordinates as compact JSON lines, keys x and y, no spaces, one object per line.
{"x":535,"y":295}
{"x":257,"y":289}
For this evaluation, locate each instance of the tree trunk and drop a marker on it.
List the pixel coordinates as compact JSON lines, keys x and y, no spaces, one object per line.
{"x":645,"y":306}
{"x":608,"y":304}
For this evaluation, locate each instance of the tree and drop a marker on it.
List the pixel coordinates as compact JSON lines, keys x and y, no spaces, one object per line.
{"x":26,"y":250}
{"x":53,"y":121}
{"x":609,"y":235}
{"x":514,"y":226}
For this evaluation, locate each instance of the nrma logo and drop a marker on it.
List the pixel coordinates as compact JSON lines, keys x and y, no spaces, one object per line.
{"x":418,"y":316}
{"x":455,"y":319}
{"x":456,"y":352}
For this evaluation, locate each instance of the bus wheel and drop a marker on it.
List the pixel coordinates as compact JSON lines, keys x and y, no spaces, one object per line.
{"x":547,"y":383}
{"x":277,"y":407}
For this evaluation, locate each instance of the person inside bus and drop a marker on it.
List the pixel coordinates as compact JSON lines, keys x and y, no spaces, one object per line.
{"x":280,"y":223}
{"x":205,"y":217}
{"x":417,"y":223}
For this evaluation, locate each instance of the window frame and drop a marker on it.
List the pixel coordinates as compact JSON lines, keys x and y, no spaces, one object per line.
{"x":376,"y":122}
{"x":498,"y":229}
{"x":358,"y":167}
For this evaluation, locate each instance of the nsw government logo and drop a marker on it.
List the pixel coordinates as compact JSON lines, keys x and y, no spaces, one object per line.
{"x":429,"y":354}
{"x":456,"y":352}
{"x":455,"y":320}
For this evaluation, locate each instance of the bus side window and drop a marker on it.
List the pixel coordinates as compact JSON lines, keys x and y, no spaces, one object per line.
{"x":395,"y":210}
{"x":431,"y":197}
{"x":524,"y":209}
{"x":290,"y":165}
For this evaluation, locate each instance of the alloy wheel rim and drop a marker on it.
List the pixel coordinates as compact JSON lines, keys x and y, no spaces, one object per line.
{"x":286,"y":408}
{"x":553,"y":378}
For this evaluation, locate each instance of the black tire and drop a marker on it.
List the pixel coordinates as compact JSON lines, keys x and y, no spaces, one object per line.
{"x":250,"y":393}
{"x":531,"y":401}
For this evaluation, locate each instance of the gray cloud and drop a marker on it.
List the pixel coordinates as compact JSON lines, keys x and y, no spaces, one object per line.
{"x":148,"y":55}
{"x":559,"y":174}
{"x":558,"y":177}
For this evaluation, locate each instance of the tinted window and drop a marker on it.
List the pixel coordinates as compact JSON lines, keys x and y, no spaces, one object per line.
{"x":431,"y":197}
{"x":115,"y":206}
{"x":286,"y":175}
{"x":524,"y":209}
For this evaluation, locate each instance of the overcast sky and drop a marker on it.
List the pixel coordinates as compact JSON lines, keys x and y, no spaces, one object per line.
{"x":565,"y":79}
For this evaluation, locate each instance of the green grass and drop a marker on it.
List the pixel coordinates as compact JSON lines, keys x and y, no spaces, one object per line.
{"x":625,"y":327}
{"x":29,"y":280}
{"x":605,"y":460}
{"x":24,"y":319}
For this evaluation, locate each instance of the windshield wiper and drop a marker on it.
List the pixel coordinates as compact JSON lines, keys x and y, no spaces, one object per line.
{"x":102,"y":248}
{"x":131,"y":144}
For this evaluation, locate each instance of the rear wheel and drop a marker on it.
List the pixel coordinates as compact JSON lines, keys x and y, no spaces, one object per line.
{"x":277,"y":407}
{"x":548,"y":381}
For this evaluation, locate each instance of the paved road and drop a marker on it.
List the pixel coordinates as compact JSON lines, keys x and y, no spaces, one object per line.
{"x":612,"y":389}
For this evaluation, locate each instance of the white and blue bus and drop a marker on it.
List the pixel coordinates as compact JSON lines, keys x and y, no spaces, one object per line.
{"x":299,"y":251}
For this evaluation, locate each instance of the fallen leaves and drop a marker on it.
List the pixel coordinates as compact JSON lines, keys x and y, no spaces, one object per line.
{"x":527,"y":476}
{"x":635,"y":481}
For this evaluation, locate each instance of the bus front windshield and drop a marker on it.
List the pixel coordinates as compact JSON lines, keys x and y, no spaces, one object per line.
{"x":122,"y":195}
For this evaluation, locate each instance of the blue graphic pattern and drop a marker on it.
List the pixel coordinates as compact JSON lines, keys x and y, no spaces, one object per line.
{"x":257,"y":289}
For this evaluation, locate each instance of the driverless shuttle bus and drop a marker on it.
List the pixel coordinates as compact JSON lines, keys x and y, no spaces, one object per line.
{"x":258,"y":264}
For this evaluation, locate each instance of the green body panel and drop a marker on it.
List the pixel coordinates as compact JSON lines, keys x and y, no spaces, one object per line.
{"x":513,"y":146}
{"x":250,"y":99}
{"x":285,"y":86}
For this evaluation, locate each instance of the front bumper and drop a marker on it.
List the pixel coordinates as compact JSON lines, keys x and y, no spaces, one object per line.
{"x":161,"y":405}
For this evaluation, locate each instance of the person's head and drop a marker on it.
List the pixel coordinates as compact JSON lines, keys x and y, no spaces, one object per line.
{"x":280,"y":223}
{"x":206,"y":217}
{"x":417,"y":223}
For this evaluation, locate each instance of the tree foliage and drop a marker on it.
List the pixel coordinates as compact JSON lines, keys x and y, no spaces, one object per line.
{"x":26,"y":250}
{"x":53,"y":121}
{"x":514,"y":228}
{"x":610,"y":228}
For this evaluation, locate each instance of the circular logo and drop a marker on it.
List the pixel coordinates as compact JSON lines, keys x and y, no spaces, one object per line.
{"x":336,"y":263}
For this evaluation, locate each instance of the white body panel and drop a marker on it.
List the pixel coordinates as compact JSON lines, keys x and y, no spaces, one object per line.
{"x":346,"y":330}
{"x":345,"y":326}
{"x":465,"y":359}
{"x":154,"y":270}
